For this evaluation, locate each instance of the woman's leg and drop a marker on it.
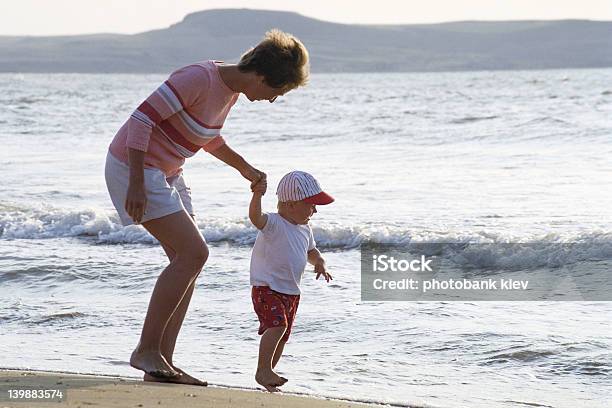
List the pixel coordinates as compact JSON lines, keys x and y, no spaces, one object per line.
{"x":176,"y":321}
{"x":171,"y":333}
{"x":178,"y":232}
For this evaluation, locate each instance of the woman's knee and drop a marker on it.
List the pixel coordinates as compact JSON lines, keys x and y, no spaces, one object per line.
{"x":196,"y":255}
{"x":201,"y":255}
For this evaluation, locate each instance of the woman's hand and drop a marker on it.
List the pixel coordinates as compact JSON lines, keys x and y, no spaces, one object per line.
{"x":253,"y":175}
{"x":136,"y":201}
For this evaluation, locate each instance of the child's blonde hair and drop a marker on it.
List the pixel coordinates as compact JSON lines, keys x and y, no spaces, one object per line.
{"x":281,"y":58}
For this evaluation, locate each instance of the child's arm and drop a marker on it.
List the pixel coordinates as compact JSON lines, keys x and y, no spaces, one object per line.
{"x":257,"y":218}
{"x":315,"y":258}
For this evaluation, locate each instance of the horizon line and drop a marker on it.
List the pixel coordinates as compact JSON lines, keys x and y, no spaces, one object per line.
{"x":382,"y":25}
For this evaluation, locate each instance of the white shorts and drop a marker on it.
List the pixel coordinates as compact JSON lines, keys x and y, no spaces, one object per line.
{"x":165,"y":196}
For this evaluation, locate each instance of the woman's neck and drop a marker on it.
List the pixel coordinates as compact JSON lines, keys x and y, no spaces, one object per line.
{"x":233,"y":78}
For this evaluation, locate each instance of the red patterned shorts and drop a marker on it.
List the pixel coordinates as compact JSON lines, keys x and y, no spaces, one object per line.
{"x":274,"y":309}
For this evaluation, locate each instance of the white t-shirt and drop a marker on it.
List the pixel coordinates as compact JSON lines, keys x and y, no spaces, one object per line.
{"x":280,"y":255}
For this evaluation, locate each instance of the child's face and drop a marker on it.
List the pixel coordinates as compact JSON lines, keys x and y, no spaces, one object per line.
{"x":301,"y":211}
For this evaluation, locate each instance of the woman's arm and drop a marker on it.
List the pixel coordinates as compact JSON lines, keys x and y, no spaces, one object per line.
{"x":233,"y":159}
{"x":136,"y":200}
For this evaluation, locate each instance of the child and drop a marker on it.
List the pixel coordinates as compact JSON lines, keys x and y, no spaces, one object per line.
{"x":283,"y":246}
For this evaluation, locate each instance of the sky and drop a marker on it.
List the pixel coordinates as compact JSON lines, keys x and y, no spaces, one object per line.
{"x":61,"y":17}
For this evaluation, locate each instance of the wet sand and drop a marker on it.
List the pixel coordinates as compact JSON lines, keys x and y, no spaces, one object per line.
{"x":101,"y":391}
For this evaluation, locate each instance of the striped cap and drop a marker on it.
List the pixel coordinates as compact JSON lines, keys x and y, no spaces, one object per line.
{"x":299,"y":185}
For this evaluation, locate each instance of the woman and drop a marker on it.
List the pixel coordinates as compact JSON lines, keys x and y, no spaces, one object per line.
{"x":144,"y":176}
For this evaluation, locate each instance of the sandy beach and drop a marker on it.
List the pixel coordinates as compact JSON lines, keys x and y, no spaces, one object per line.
{"x":90,"y":391}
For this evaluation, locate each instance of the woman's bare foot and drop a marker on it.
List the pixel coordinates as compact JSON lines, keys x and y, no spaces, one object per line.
{"x":153,"y":364}
{"x":269,"y":380}
{"x":183,"y":379}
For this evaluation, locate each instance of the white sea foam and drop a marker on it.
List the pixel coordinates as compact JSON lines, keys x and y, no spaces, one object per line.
{"x":476,"y":249}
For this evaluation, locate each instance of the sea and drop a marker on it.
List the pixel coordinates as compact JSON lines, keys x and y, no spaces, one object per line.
{"x":469,"y":157}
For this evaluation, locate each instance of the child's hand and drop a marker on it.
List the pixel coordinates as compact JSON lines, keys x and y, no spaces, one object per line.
{"x":319,"y":269}
{"x":260,"y":186}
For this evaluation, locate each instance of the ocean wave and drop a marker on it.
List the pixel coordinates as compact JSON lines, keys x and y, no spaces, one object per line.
{"x":35,"y":315}
{"x":24,"y":100}
{"x":465,"y":249}
{"x":104,"y":227}
{"x":57,"y":317}
{"x":590,"y":366}
{"x":525,"y":355}
{"x":470,"y":119}
{"x":546,"y":120}
{"x":555,"y":360}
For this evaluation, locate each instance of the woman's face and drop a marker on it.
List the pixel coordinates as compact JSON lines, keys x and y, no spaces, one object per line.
{"x":261,"y":91}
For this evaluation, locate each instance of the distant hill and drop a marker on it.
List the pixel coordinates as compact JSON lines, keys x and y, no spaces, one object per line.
{"x":225,"y":34}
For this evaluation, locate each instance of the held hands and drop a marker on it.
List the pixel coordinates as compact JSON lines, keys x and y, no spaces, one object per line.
{"x":319,"y":269}
{"x":260,"y":186}
{"x":136,"y":202}
{"x":258,"y":179}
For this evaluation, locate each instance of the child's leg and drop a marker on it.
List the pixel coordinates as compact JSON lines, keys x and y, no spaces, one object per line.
{"x":278,"y":353}
{"x":267,"y":350}
{"x":291,"y":308}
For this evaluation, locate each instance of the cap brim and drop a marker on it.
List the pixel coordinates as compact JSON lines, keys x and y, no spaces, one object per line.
{"x":320,"y":199}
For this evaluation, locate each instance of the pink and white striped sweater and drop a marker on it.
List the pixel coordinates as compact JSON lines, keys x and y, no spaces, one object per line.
{"x":185,"y":114}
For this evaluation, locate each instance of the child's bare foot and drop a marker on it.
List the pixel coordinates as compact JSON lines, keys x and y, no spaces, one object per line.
{"x":270,"y":388}
{"x":269,"y":380}
{"x":267,"y":386}
{"x":153,"y":364}
{"x":183,"y":379}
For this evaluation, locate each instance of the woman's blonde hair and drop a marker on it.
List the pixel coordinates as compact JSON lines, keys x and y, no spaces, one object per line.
{"x":281,"y":58}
